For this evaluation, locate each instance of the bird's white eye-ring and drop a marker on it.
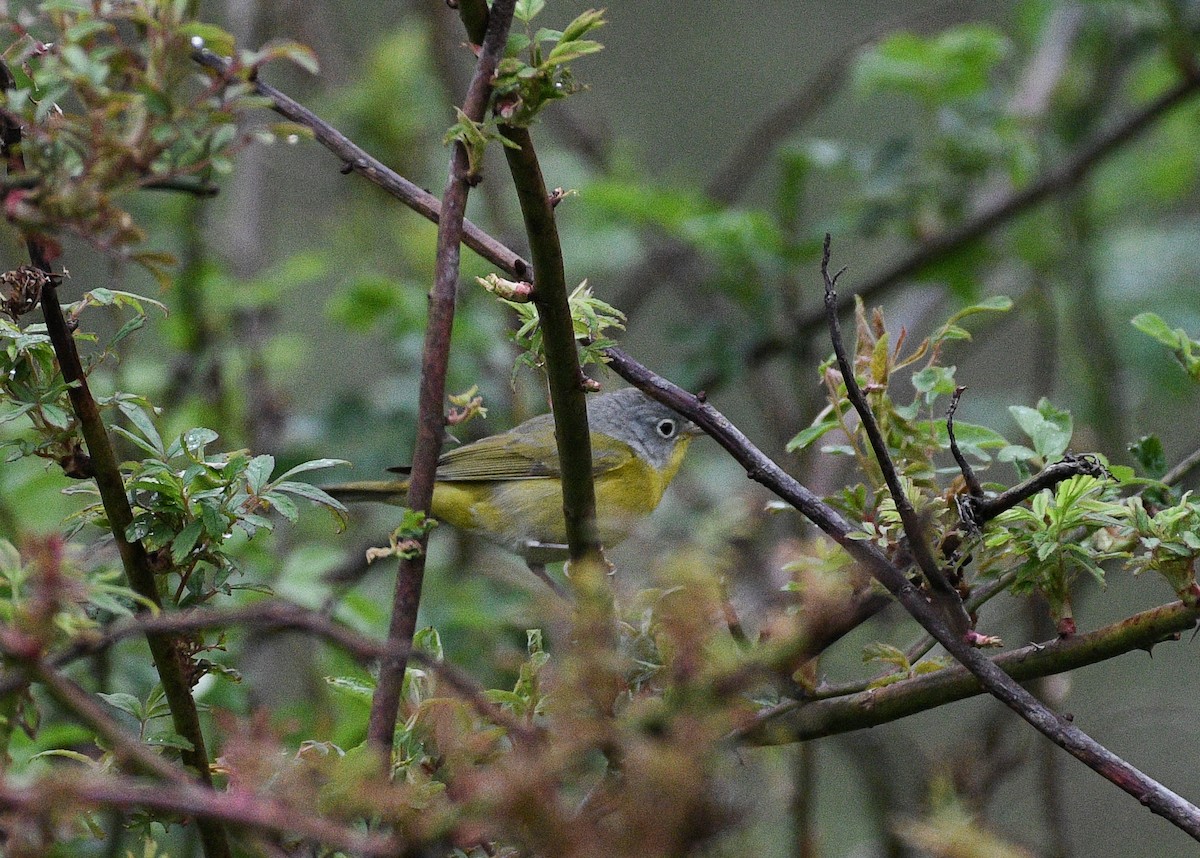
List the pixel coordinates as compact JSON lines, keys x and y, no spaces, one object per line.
{"x":666,"y":428}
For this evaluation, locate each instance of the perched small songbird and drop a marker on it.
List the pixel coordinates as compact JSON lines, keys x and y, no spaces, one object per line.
{"x":508,"y":489}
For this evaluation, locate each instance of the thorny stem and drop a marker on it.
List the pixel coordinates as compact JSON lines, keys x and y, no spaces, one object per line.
{"x":558,"y":335}
{"x":168,"y":661}
{"x":799,"y":721}
{"x":434,"y":363}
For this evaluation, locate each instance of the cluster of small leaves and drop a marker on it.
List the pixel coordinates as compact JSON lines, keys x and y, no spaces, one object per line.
{"x":1169,"y":543}
{"x":1053,"y":539}
{"x":914,"y":432}
{"x":32,"y":387}
{"x":188,"y":502}
{"x":901,"y":665}
{"x":590,"y":317}
{"x":109,"y":102}
{"x":535,"y":67}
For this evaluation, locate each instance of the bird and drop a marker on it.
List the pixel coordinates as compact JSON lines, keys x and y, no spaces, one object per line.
{"x":507,"y":487}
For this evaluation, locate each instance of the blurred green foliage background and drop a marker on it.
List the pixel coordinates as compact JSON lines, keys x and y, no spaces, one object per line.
{"x":717,"y":144}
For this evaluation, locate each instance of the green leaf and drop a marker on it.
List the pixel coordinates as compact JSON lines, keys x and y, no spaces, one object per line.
{"x":352,"y":687}
{"x":807,"y":436}
{"x":1149,"y":453}
{"x":313,"y":465}
{"x":142,"y":422}
{"x":527,"y":10}
{"x":258,"y":473}
{"x":168,"y":739}
{"x":564,"y":52}
{"x":1152,"y":325}
{"x":139,"y":442}
{"x":934,"y":381}
{"x":69,"y":755}
{"x":283,"y":504}
{"x":125,"y":702}
{"x":584,"y":23}
{"x":1049,"y":428}
{"x":185,"y":541}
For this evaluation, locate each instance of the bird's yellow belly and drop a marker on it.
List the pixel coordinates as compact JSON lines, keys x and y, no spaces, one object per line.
{"x":516,"y":513}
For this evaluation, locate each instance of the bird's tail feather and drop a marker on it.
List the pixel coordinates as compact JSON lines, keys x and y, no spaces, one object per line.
{"x":378,"y":491}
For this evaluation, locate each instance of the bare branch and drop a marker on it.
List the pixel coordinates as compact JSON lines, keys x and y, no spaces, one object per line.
{"x":972,"y":481}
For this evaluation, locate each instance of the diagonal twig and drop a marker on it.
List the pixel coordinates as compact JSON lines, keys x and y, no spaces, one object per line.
{"x":798,"y":721}
{"x":918,"y":545}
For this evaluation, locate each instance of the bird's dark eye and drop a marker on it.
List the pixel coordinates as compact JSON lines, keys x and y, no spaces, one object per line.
{"x":666,"y":428}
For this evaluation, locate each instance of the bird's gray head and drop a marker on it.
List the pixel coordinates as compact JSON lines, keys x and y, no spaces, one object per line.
{"x":649,"y":427}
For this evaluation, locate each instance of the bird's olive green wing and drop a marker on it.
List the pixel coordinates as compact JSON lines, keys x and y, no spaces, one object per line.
{"x":523,"y":455}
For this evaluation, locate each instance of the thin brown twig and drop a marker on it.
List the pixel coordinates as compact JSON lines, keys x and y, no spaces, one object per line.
{"x":435,"y":359}
{"x":168,"y":660}
{"x":913,"y":530}
{"x":916,"y":650}
{"x":762,"y":469}
{"x":973,"y":485}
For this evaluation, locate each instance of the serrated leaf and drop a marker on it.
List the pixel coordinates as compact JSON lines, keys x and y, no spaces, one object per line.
{"x":1153,"y":325}
{"x":185,"y":541}
{"x":282,"y":504}
{"x":125,"y":702}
